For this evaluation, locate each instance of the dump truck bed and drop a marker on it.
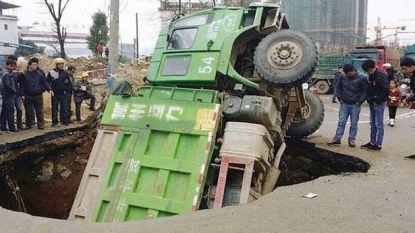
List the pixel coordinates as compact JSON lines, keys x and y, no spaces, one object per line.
{"x":161,"y":152}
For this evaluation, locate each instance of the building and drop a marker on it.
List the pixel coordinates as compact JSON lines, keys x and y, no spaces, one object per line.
{"x":333,"y":24}
{"x":9,"y":38}
{"x":76,"y":44}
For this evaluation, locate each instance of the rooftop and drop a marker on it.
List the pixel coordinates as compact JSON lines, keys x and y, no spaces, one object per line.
{"x":5,"y":5}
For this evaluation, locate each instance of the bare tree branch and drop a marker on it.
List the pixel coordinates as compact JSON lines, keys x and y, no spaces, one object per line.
{"x":57,"y":16}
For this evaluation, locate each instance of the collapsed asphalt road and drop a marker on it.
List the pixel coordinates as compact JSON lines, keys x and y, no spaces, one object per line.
{"x":380,"y":200}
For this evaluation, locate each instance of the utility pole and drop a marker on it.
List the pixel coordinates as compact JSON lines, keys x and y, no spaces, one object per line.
{"x":114,"y":31}
{"x":136,"y":36}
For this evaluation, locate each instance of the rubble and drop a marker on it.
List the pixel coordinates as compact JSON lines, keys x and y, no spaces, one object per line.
{"x":46,"y":172}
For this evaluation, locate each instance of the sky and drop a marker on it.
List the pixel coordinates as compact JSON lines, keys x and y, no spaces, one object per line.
{"x":77,"y":17}
{"x":79,"y":12}
{"x":392,"y":14}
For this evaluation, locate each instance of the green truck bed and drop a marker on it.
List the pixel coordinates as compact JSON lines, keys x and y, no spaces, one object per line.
{"x":159,"y":158}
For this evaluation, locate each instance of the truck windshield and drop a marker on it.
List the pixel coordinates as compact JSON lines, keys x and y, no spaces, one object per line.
{"x":183,"y":38}
{"x":365,"y":54}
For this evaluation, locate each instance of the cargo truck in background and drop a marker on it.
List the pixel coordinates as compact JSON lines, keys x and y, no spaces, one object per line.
{"x":409,"y":51}
{"x":226,"y":89}
{"x":328,"y":64}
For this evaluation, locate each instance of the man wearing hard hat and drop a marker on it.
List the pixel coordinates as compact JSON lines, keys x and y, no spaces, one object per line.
{"x":60,"y":82}
{"x":82,"y":90}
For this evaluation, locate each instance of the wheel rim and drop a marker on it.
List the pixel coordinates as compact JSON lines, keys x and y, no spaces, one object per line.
{"x":284,"y":55}
{"x":322,"y":87}
{"x":306,"y":113}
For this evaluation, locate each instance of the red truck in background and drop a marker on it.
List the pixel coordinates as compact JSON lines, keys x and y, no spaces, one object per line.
{"x":380,"y":54}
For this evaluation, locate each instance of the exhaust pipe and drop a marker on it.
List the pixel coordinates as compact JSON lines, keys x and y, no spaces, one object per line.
{"x":273,"y":172}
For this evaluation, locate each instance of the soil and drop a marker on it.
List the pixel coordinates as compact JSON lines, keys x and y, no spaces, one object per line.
{"x":50,"y":198}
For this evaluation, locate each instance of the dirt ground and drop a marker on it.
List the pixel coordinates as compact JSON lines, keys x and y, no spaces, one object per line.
{"x":380,"y":200}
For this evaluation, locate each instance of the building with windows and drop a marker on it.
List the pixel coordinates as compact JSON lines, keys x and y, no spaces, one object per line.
{"x":333,"y":24}
{"x":9,"y":38}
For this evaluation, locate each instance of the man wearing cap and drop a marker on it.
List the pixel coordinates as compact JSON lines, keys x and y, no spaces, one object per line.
{"x":60,"y":82}
{"x":351,"y":91}
{"x":83,"y":90}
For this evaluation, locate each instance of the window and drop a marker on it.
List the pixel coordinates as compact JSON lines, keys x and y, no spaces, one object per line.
{"x":194,"y":21}
{"x":183,"y":38}
{"x":175,"y":66}
{"x":6,"y":27}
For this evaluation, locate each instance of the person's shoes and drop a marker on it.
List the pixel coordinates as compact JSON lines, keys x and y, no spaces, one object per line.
{"x":14,"y":131}
{"x":364,"y":146}
{"x":92,"y":109}
{"x":374,"y":147}
{"x":27,"y":127}
{"x":20,"y":127}
{"x":410,"y":157}
{"x":54,"y":125}
{"x":392,"y":123}
{"x":334,"y":102}
{"x":334,"y":142}
{"x":352,"y":143}
{"x":41,"y":127}
{"x":65,"y":123}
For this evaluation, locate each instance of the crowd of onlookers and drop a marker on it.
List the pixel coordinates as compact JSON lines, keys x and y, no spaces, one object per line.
{"x":379,"y":89}
{"x":26,"y":87}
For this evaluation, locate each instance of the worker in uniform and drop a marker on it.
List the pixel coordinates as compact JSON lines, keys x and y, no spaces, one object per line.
{"x":82,"y":90}
{"x":60,"y":82}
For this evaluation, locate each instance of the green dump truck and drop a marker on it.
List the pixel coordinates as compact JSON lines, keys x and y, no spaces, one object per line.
{"x":209,"y":131}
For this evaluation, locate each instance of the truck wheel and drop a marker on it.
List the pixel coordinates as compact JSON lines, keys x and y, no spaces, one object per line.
{"x":323,"y":87}
{"x":314,"y":117}
{"x":286,"y":58}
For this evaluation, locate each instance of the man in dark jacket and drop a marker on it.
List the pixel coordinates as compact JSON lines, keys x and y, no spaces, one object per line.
{"x":408,"y":68}
{"x":83,"y":90}
{"x":8,"y":94}
{"x":351,"y":91}
{"x":60,"y":82}
{"x":336,"y":79}
{"x":17,"y":102}
{"x":32,"y":85}
{"x":377,"y":97}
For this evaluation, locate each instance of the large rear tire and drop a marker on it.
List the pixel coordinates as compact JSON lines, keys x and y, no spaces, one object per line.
{"x":314,"y":117}
{"x":286,"y":58}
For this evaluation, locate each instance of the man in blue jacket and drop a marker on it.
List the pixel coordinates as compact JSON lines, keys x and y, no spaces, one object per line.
{"x":377,"y":97}
{"x":351,"y":91}
{"x":32,"y":85}
{"x":60,"y":82}
{"x":8,"y":94}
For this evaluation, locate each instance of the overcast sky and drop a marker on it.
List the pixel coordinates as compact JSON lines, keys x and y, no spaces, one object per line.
{"x":79,"y":13}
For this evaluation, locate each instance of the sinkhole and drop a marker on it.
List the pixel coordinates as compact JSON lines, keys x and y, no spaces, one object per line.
{"x":45,"y":181}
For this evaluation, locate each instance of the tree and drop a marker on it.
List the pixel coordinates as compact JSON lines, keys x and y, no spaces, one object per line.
{"x":98,"y":31}
{"x":56,"y":14}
